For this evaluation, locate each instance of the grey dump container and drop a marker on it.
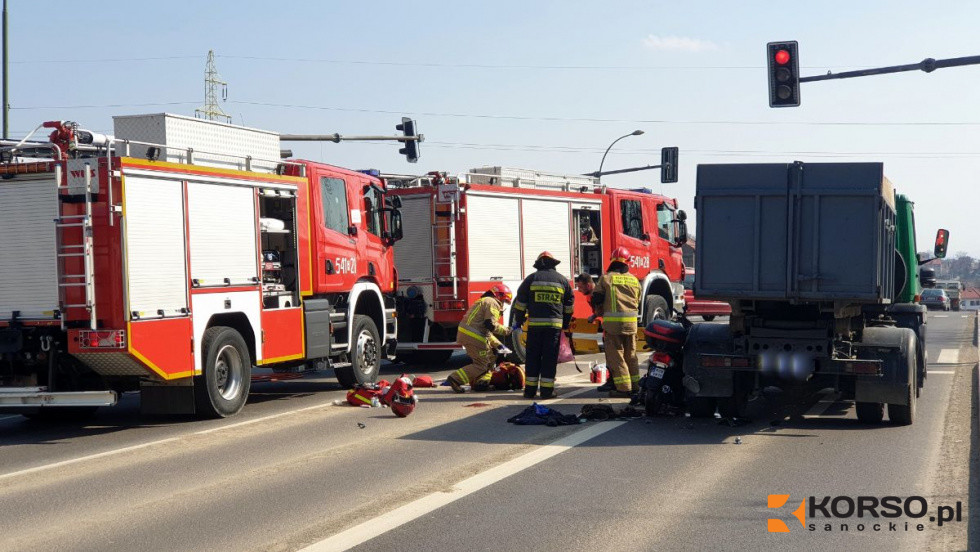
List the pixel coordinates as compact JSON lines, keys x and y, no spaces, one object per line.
{"x":799,"y":232}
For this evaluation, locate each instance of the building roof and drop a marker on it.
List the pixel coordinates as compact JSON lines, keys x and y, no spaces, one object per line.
{"x":970,"y":293}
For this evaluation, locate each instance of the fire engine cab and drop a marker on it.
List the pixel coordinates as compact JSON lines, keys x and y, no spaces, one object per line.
{"x":174,"y":257}
{"x":471,"y":230}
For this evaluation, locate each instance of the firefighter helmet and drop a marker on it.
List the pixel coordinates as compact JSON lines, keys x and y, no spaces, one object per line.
{"x":620,"y":255}
{"x":502,"y":292}
{"x":547,"y":255}
{"x":402,"y":407}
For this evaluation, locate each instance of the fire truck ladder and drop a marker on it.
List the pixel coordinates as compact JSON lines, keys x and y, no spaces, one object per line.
{"x":84,"y":251}
{"x":444,"y":246}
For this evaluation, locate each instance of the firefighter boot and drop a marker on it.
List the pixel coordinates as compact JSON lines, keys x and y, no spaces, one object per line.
{"x":455,"y":383}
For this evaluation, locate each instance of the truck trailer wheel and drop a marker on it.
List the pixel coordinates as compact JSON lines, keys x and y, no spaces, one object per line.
{"x":365,"y":354}
{"x":655,"y":308}
{"x":222,"y":389}
{"x":870,"y":412}
{"x":904,"y":414}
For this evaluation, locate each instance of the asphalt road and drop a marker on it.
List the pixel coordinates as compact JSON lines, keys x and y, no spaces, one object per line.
{"x":293,"y":469}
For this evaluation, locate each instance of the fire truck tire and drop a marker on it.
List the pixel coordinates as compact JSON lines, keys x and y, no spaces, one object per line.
{"x":655,"y":308}
{"x":365,"y":354}
{"x":222,"y":389}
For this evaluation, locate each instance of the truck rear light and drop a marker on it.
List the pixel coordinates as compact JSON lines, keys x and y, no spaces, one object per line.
{"x":108,"y":339}
{"x":872,"y":367}
{"x":450,"y":305}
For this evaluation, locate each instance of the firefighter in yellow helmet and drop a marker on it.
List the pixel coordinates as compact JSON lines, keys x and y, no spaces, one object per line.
{"x":546,"y":299}
{"x":616,"y":299}
{"x":478,"y":333}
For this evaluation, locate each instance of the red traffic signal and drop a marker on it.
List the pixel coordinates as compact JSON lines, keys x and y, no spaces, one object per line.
{"x":784,"y":74}
{"x":942,"y":243}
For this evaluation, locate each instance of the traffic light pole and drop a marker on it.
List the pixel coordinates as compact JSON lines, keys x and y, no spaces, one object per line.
{"x":928,"y":65}
{"x":597,"y":174}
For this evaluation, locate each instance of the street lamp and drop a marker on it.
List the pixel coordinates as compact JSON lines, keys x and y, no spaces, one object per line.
{"x":634,"y":133}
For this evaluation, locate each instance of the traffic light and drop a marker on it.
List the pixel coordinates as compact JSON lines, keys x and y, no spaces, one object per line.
{"x":668,"y":165}
{"x":411,"y":149}
{"x":784,"y":73}
{"x":942,"y":243}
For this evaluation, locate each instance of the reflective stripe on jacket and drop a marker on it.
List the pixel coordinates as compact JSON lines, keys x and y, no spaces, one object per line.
{"x":482,"y":321}
{"x":620,"y":302}
{"x":546,"y":299}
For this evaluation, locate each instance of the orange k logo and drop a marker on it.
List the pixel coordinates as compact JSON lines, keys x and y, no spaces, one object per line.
{"x":778,"y":501}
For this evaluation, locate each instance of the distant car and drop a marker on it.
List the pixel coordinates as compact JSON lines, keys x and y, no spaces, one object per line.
{"x":935,"y":298}
{"x":706,"y":309}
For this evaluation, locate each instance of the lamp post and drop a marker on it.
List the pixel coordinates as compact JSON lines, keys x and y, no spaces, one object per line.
{"x":634,"y":133}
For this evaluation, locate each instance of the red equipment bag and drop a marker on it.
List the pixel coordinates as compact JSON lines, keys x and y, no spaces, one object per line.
{"x":423,"y":381}
{"x":365,"y":396}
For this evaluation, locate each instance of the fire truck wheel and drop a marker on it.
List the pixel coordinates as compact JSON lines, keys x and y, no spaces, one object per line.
{"x":655,"y":308}
{"x":222,"y":389}
{"x":365,"y":354}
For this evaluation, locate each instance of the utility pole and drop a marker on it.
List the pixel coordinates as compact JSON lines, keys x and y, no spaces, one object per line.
{"x":6,"y":84}
{"x":211,"y":110}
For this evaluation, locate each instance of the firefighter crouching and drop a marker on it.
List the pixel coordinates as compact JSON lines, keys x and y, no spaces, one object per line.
{"x":616,"y":299}
{"x":546,"y":299}
{"x":478,"y":334}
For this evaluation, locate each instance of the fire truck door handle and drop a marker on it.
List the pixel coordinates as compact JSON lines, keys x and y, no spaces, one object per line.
{"x":660,"y":263}
{"x":328,"y":266}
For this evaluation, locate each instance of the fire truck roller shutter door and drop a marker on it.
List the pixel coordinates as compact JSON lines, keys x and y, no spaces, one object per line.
{"x":546,"y":228}
{"x":413,"y":254}
{"x":155,"y":246}
{"x":28,"y":275}
{"x":223,"y":239}
{"x":493,"y":230}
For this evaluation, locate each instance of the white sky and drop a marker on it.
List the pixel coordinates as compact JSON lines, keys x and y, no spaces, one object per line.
{"x":538,"y":84}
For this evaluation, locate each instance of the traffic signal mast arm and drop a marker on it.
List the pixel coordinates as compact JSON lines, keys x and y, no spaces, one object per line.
{"x":340,"y":138}
{"x":928,"y":65}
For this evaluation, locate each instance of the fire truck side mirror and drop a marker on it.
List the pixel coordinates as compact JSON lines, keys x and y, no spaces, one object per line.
{"x":396,"y":226}
{"x":680,"y":229}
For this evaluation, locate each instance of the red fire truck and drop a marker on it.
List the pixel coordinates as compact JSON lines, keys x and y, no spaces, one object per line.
{"x":176,"y":255}
{"x":468,"y":231}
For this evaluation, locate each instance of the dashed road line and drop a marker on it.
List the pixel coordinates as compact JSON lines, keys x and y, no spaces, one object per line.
{"x":948,"y":356}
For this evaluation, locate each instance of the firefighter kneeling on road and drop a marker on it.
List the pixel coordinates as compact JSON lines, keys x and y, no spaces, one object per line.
{"x":478,"y":334}
{"x":616,"y":300}
{"x":546,"y":299}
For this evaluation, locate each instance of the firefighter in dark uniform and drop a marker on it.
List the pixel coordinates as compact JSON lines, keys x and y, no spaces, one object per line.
{"x":546,"y":300}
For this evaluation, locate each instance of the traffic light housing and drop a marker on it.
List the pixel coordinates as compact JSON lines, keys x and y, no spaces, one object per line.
{"x":784,"y":73}
{"x":668,"y":165}
{"x":942,"y":243}
{"x":411,"y":149}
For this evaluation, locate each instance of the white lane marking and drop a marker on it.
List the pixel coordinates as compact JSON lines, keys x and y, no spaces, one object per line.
{"x":948,"y":356}
{"x":113,"y":452}
{"x":413,"y":510}
{"x":9,"y":417}
{"x":84,"y":458}
{"x":964,"y":316}
{"x":942,"y":372}
{"x":939,"y":316}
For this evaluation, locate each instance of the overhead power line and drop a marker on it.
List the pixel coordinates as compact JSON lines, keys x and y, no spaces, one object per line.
{"x":606,"y":120}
